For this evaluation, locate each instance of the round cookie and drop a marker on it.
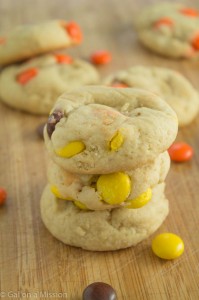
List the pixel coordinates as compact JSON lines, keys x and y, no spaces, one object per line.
{"x":170,"y":85}
{"x":169,"y":29}
{"x":30,"y":40}
{"x":34,"y":86}
{"x":100,"y":130}
{"x":102,"y":230}
{"x":84,"y":188}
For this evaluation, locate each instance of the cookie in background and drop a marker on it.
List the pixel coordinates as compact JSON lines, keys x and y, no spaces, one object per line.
{"x":170,"y":85}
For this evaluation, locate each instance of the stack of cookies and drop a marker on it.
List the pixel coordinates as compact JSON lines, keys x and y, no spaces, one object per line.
{"x":36,"y":77}
{"x":109,"y":162}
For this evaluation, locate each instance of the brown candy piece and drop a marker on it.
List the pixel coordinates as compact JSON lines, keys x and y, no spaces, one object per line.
{"x":99,"y":291}
{"x":53,"y":119}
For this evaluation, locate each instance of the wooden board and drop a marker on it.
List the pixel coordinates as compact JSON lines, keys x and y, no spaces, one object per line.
{"x":31,"y":260}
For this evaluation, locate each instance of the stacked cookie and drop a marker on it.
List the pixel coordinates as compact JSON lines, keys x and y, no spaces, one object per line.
{"x":109,"y":162}
{"x":34,"y":83}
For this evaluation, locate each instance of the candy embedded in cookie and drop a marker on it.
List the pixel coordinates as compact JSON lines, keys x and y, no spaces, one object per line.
{"x":53,"y":119}
{"x":191,"y":12}
{"x":118,"y":84}
{"x":114,"y":188}
{"x":117,"y":141}
{"x":71,"y":149}
{"x":74,"y":31}
{"x":163,"y":22}
{"x":80,"y":205}
{"x":25,"y":76}
{"x":63,"y":59}
{"x":141,"y":200}
{"x":56,"y":192}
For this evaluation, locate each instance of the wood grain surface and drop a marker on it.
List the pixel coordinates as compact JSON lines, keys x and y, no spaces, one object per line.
{"x":31,"y":260}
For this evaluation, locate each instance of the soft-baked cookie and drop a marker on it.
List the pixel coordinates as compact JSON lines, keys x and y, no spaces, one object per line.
{"x":86,"y":189}
{"x":30,"y":40}
{"x":100,"y":130}
{"x":170,"y":85}
{"x":34,"y":86}
{"x":169,"y":29}
{"x":102,"y":230}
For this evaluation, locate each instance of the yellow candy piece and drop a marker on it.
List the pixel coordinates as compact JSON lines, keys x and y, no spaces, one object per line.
{"x":141,"y":200}
{"x":71,"y":149}
{"x":168,"y":246}
{"x":80,"y":205}
{"x":114,"y":188}
{"x":117,"y":141}
{"x":56,"y":192}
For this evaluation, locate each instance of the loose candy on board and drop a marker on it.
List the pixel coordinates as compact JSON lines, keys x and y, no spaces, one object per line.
{"x":168,"y":246}
{"x":180,"y":152}
{"x":99,"y":291}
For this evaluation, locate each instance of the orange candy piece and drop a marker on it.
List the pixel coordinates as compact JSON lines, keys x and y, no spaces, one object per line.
{"x":119,"y":85}
{"x":190,"y":12}
{"x":3,"y":196}
{"x":74,"y":31}
{"x":27,"y":75}
{"x":195,"y":42}
{"x":101,"y":57}
{"x":63,"y":58}
{"x":163,"y":22}
{"x":180,"y":152}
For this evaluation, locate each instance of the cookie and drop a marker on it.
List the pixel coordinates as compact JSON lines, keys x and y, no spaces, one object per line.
{"x":34,"y":86}
{"x":126,"y":129}
{"x":169,"y":29}
{"x":30,"y":40}
{"x":170,"y":85}
{"x":102,"y":230}
{"x":86,"y":190}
